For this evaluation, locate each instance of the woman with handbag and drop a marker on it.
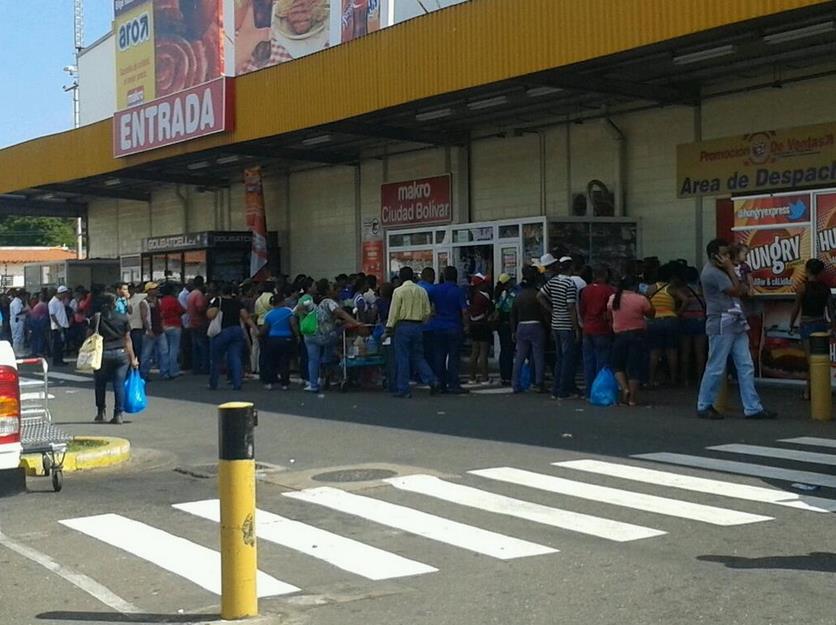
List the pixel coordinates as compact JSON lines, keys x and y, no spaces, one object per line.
{"x":481,"y":333}
{"x":228,"y":338}
{"x":117,"y":355}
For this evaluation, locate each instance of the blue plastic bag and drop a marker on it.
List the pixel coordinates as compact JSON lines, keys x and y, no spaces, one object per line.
{"x":525,"y":376}
{"x":135,"y":399}
{"x":604,"y":390}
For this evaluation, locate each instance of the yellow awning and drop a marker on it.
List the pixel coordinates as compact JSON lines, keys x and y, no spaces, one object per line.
{"x":469,"y":45}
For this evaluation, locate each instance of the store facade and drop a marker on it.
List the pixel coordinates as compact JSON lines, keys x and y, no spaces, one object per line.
{"x":519,"y":133}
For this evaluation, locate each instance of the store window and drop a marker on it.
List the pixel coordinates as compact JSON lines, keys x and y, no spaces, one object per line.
{"x":174,"y":267}
{"x":473,"y":259}
{"x":441,"y":236}
{"x":194,"y":264}
{"x":533,"y":241}
{"x":158,"y":267}
{"x":146,"y":268}
{"x":509,"y":232}
{"x":469,"y":235}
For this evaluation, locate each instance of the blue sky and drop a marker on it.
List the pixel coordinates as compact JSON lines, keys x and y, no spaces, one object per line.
{"x":38,"y":38}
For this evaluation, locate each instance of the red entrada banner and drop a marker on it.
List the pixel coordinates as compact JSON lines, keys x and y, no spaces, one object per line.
{"x":416,"y":202}
{"x":202,"y":110}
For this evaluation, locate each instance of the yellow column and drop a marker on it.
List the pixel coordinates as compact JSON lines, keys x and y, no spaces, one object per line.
{"x":821,"y":398}
{"x":236,"y":489}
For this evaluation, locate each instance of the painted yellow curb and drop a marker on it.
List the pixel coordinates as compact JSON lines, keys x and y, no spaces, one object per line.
{"x":114,"y":451}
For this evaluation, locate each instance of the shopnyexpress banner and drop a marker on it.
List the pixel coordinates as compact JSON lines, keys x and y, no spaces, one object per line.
{"x":791,"y":158}
{"x":165,"y":46}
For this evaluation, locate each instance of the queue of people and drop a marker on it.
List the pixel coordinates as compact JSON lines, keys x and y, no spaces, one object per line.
{"x":660,"y":324}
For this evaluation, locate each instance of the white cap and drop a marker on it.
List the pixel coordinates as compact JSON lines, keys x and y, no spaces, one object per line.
{"x":547,"y":259}
{"x":566,"y":259}
{"x":62,"y":289}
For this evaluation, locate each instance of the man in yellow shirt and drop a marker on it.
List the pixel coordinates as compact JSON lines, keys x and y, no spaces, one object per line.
{"x":410,"y":309}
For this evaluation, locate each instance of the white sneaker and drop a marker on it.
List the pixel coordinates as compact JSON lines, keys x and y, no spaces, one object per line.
{"x":285,"y":388}
{"x":310,"y":389}
{"x":268,"y":387}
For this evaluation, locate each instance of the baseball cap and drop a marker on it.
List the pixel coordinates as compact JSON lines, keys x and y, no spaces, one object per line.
{"x":504,"y":278}
{"x":566,"y":259}
{"x":150,"y":286}
{"x":477,"y":278}
{"x":62,"y":289}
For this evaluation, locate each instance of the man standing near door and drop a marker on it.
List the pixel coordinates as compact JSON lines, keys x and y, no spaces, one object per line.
{"x":58,"y":324}
{"x":559,"y":297}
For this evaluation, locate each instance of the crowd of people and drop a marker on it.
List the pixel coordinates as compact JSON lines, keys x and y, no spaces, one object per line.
{"x":659,"y":324}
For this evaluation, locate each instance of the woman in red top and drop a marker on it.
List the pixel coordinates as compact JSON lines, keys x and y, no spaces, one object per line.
{"x":629,"y":312}
{"x":171,"y":312}
{"x":481,"y":334}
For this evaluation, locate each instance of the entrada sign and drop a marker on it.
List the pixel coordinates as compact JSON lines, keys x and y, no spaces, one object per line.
{"x":767,"y":160}
{"x":196,"y":112}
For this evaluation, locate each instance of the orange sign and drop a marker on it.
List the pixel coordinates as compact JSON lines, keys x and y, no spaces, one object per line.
{"x":776,"y":257}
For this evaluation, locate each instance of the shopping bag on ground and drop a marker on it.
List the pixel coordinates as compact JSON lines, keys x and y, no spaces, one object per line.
{"x":525,"y":376}
{"x":90,"y":353}
{"x":135,"y":399}
{"x":604,"y":389}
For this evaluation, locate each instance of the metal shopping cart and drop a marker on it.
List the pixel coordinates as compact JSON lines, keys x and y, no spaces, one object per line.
{"x":361,"y":358}
{"x":38,"y":435}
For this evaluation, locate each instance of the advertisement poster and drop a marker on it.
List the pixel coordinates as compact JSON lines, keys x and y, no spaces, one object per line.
{"x":782,"y":354}
{"x":777,"y":257}
{"x":826,"y":234}
{"x":358,"y":18}
{"x":256,"y":220}
{"x":269,"y":32}
{"x":165,"y":46}
{"x":779,"y":210}
{"x":372,"y":260}
{"x":789,"y":158}
{"x":416,"y":202}
{"x":417,"y":260}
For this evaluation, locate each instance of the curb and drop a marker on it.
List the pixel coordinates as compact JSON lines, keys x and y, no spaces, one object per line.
{"x":115,"y":451}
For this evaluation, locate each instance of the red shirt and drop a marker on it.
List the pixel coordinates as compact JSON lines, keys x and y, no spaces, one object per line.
{"x":593,"y":309}
{"x":196,"y":307}
{"x":170,"y":311}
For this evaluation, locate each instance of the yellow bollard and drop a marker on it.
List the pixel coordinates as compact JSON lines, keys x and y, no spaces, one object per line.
{"x":236,"y":488}
{"x":721,"y":401}
{"x":821,"y":399}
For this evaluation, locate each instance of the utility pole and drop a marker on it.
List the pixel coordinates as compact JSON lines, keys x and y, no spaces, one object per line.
{"x":72,"y":70}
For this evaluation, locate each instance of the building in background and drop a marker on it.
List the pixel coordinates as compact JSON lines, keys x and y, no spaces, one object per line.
{"x":13,"y":260}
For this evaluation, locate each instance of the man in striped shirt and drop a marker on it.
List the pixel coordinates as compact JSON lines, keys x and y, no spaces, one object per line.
{"x":559,"y":297}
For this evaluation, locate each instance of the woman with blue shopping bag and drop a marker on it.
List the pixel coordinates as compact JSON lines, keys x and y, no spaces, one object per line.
{"x":117,"y":357}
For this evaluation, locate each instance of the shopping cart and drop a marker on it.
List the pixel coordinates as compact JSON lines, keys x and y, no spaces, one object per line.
{"x":38,"y":435}
{"x":361,"y":358}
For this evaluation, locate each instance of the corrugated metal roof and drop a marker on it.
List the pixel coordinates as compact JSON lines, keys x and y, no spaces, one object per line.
{"x":469,"y":45}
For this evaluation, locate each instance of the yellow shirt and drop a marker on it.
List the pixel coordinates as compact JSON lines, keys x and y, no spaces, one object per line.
{"x":409,"y":303}
{"x":262,"y":307}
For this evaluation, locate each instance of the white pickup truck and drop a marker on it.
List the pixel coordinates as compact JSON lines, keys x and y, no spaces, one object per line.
{"x":11,"y":476}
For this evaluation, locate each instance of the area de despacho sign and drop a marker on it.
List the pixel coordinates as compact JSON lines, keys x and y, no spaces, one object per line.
{"x":768,"y":160}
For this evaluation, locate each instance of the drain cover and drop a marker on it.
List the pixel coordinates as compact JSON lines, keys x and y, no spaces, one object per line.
{"x":354,"y":475}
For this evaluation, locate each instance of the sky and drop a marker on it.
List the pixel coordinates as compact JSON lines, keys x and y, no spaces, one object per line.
{"x":38,"y":38}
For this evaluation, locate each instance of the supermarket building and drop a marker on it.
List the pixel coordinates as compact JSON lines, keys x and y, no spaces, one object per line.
{"x":480,"y":135}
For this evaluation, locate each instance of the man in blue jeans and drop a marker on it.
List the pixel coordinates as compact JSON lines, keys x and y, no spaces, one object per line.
{"x":559,"y":297}
{"x":450,"y":314}
{"x":410,"y":309}
{"x":726,"y":328}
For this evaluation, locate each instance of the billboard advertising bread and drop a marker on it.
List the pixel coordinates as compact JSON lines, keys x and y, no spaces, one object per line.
{"x":165,"y":46}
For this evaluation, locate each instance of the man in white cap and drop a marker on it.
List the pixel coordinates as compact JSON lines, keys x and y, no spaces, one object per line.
{"x":547,"y":266}
{"x":559,"y":297}
{"x":58,"y":323}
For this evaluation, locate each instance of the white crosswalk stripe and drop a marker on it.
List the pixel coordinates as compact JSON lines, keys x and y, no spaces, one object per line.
{"x":810,"y":440}
{"x":777,"y":452}
{"x":177,"y":555}
{"x":623,"y":498}
{"x":344,"y":553}
{"x":422,"y":524}
{"x":702,"y":485}
{"x":499,"y":504}
{"x":742,"y":468}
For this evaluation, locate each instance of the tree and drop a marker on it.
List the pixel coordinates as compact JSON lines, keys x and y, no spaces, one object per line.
{"x":37,"y":231}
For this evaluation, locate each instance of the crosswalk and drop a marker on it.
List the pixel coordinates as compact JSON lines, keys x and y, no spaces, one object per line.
{"x":476,"y":491}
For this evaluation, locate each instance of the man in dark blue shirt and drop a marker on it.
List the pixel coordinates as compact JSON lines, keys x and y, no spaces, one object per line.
{"x":449,"y":316}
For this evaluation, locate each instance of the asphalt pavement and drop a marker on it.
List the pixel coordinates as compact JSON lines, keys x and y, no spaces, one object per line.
{"x":439,"y":510}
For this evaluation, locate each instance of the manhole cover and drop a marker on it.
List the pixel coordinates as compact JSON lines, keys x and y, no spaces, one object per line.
{"x":354,"y":475}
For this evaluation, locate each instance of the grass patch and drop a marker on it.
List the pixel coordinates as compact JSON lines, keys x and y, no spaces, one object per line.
{"x":85,"y":444}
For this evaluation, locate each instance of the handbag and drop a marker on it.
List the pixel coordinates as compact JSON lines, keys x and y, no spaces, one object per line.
{"x":216,"y":325}
{"x":135,"y":398}
{"x":90,"y":353}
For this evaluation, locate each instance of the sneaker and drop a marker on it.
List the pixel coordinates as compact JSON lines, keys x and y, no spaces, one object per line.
{"x":709,"y":413}
{"x":99,"y":418}
{"x":310,"y":389}
{"x":268,"y":387}
{"x":285,"y":387}
{"x":117,"y":419}
{"x":763,"y":414}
